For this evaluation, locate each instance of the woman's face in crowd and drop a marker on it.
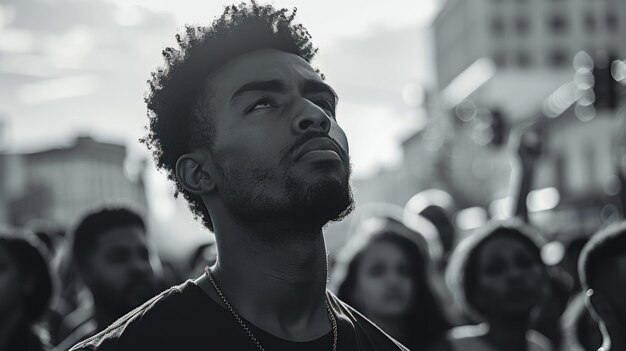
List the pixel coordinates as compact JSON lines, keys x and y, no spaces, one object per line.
{"x":10,"y":286}
{"x":510,"y":278}
{"x":384,"y":286}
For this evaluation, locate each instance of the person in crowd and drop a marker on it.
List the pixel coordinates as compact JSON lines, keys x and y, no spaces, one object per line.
{"x":602,"y":270}
{"x":437,"y":206}
{"x":499,"y":278}
{"x":547,"y":318}
{"x":559,"y":317}
{"x":618,"y":155}
{"x":526,"y":146}
{"x":580,"y":331}
{"x":247,"y":130}
{"x":26,"y":287}
{"x":383,"y":273}
{"x":114,"y":259}
{"x":569,"y":263}
{"x":73,"y":303}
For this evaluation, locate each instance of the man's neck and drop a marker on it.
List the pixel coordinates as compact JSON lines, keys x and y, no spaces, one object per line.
{"x":276,"y":280}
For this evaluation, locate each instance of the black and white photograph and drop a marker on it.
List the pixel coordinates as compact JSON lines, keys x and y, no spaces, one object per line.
{"x":286,"y":175}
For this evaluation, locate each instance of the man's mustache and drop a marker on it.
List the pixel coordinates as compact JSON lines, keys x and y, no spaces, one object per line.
{"x":312,"y":135}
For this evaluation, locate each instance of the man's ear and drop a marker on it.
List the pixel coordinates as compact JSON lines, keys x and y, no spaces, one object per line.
{"x":191,"y":175}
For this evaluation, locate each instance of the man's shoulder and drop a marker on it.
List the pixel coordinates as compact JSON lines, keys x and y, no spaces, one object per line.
{"x":146,"y":319}
{"x":364,"y":329}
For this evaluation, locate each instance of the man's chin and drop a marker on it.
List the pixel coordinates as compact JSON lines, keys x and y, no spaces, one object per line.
{"x":323,"y":202}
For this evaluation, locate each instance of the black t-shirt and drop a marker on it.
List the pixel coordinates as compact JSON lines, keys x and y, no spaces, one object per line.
{"x":185,"y":318}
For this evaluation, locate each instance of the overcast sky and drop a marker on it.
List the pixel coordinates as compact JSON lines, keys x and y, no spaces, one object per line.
{"x":80,"y":66}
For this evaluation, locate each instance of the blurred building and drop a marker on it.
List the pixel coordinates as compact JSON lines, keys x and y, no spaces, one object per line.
{"x":3,"y":209}
{"x":2,"y":134}
{"x":579,"y":164}
{"x":521,"y":50}
{"x":59,"y":184}
{"x":500,"y":64}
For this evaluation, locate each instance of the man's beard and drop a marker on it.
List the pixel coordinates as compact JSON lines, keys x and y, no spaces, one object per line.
{"x":248,"y":194}
{"x":326,"y":200}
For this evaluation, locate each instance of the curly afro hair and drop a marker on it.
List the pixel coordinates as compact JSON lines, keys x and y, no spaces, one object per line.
{"x":177,"y":95}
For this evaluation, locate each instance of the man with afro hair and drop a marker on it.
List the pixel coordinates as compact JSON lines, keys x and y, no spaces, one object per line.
{"x":246,"y":129}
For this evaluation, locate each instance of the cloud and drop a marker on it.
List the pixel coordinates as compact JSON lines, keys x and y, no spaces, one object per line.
{"x":69,"y":48}
{"x":16,"y":40}
{"x":56,"y":89}
{"x":58,"y":16}
{"x":378,"y":66}
{"x":7,"y":15}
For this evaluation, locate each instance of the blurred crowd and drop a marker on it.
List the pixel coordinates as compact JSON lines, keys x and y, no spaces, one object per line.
{"x":406,"y":269}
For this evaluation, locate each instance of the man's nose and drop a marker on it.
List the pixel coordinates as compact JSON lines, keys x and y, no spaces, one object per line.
{"x":310,"y":117}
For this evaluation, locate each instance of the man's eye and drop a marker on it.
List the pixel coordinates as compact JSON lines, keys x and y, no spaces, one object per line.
{"x":261,"y":104}
{"x":327,"y":106}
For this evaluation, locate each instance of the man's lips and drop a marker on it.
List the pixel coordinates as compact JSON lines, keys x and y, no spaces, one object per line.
{"x":319,"y":148}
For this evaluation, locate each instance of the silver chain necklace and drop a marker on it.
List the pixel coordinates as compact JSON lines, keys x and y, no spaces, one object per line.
{"x":243,"y":325}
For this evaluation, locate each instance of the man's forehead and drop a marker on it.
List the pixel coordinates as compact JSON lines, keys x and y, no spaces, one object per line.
{"x":262,"y":65}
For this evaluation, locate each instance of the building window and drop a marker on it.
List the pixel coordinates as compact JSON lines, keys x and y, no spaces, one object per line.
{"x":558,"y":58}
{"x":612,"y":21}
{"x":590,"y":23}
{"x":524,"y":59}
{"x":499,"y":59}
{"x":558,"y":24}
{"x":522,"y":25}
{"x":497,"y":26}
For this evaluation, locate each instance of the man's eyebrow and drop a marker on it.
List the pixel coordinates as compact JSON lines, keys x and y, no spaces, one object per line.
{"x":314,"y":86}
{"x":262,"y":85}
